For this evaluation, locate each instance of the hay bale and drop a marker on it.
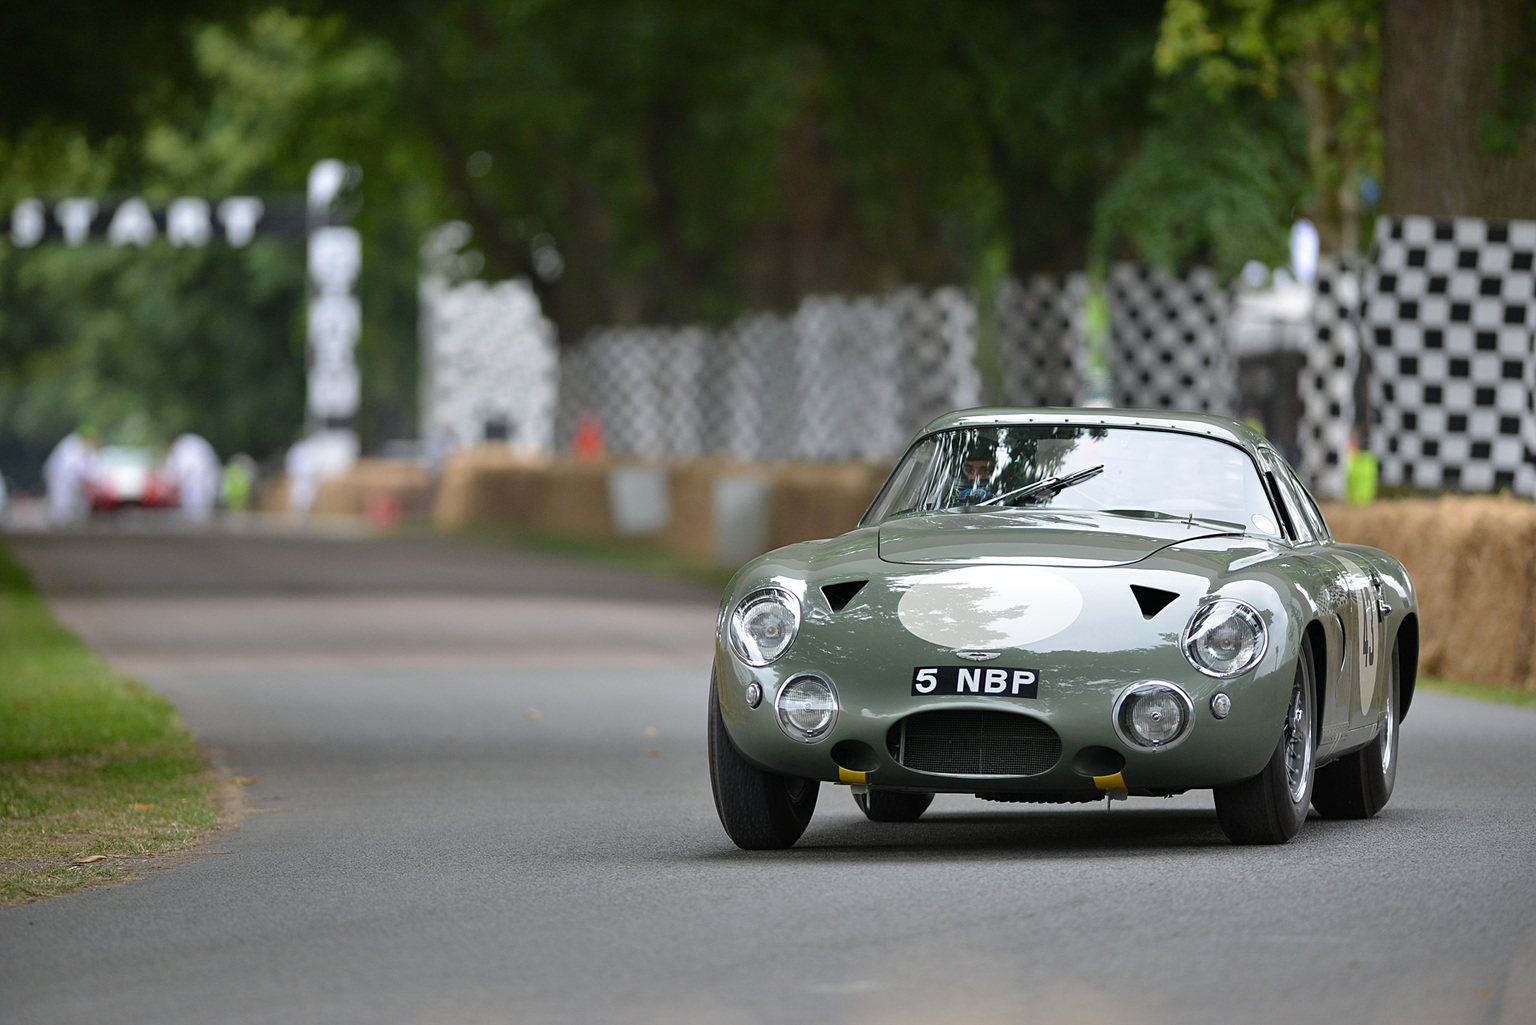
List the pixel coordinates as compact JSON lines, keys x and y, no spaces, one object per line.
{"x":1473,"y":562}
{"x":407,"y":486}
{"x":271,"y":494}
{"x":573,"y":500}
{"x":812,"y":501}
{"x":691,"y":487}
{"x":490,"y":484}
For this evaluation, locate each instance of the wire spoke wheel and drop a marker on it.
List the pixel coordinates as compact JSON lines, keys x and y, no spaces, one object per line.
{"x":1270,"y":807}
{"x":1359,"y":784}
{"x":1298,"y":743}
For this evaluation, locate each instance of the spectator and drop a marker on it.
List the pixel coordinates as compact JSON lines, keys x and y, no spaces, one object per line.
{"x":239,"y":480}
{"x":64,"y":475}
{"x":303,"y":471}
{"x":195,"y":466}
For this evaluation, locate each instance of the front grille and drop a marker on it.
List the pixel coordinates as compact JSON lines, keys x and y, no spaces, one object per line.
{"x":974,"y":742}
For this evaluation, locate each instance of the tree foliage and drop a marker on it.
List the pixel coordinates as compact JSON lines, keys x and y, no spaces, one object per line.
{"x":687,"y":160}
{"x":1324,"y":54}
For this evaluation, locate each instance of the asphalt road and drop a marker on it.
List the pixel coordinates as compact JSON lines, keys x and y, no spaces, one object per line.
{"x":482,"y":797}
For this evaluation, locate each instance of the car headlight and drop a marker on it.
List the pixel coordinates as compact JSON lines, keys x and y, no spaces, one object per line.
{"x":807,"y":708}
{"x":764,"y":625}
{"x":1153,"y":714}
{"x":1225,"y":638}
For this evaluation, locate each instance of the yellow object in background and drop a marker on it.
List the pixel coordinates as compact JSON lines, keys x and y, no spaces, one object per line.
{"x":238,"y":479}
{"x":1360,"y":474}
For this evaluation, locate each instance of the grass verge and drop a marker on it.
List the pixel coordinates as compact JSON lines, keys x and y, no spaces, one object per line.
{"x":97,"y":772}
{"x":1481,"y":691}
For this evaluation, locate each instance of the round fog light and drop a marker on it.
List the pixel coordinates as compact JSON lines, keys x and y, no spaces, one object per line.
{"x":807,"y":708}
{"x":1221,"y":705}
{"x":754,"y":694}
{"x":1153,"y":714}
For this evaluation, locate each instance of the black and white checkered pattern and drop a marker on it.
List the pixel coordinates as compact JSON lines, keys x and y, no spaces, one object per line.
{"x":1449,"y":314}
{"x":643,"y":384}
{"x":1327,"y":381}
{"x":840,"y":378}
{"x":1167,"y":340}
{"x":488,"y":357}
{"x":1041,"y":339}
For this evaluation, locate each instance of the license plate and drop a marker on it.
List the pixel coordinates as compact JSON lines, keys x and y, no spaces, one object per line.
{"x":952,"y":681}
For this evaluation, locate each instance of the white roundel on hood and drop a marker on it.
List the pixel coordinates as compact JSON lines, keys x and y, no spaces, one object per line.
{"x":990,"y":606}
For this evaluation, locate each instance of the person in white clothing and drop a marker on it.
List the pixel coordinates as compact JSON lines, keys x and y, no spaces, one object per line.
{"x":195,"y":466}
{"x":64,"y":475}
{"x":303,"y":471}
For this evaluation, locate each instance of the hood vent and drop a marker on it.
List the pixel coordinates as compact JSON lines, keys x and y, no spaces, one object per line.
{"x":839,"y":595}
{"x":1151,"y":599}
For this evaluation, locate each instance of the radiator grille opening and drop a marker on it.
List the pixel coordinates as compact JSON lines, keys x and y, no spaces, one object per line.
{"x":974,"y":742}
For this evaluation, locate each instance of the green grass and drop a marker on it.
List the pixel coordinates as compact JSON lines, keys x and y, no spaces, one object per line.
{"x":1481,"y":691}
{"x":91,"y":762}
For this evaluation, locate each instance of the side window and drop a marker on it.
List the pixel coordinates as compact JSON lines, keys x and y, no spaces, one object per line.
{"x":1298,"y":505}
{"x":1309,"y":510}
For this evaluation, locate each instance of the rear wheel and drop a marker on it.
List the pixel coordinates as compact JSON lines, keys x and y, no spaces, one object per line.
{"x":1358,"y":785}
{"x":1270,"y":807}
{"x":892,"y":805}
{"x":760,"y":810}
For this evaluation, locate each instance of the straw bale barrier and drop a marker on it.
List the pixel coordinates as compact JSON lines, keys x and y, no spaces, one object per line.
{"x":1473,"y":562}
{"x":407,"y":485}
{"x":479,"y":485}
{"x":492,"y":485}
{"x":496,"y":485}
{"x":821,"y":501}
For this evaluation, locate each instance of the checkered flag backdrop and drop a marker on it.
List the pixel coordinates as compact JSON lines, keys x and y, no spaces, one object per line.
{"x":489,"y":364}
{"x":1167,"y":340}
{"x":1041,"y":339}
{"x":840,"y":378}
{"x":1449,"y":316}
{"x":1327,"y":382}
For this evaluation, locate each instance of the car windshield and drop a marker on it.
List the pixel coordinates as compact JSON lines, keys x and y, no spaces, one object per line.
{"x":114,"y":456}
{"x":1128,"y":471}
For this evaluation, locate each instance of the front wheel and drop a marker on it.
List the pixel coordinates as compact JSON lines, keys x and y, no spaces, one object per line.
{"x":761,"y":811}
{"x":892,"y":805}
{"x":1270,"y":807}
{"x":1358,"y":785}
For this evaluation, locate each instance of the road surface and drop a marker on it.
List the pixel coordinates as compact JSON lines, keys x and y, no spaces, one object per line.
{"x":482,"y":797}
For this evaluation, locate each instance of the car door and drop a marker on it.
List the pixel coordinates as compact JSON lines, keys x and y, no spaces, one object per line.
{"x":1356,"y":591}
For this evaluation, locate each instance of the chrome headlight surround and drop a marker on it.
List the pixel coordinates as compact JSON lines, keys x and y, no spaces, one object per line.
{"x":806,"y":693}
{"x":1125,"y":706}
{"x":763,"y":625}
{"x":1221,"y":614}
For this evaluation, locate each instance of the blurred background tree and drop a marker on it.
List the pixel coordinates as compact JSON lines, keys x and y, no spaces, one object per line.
{"x":685,"y":160}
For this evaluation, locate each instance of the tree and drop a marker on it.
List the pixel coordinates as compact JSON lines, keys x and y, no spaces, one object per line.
{"x":1458,"y":94}
{"x":1322,"y":54}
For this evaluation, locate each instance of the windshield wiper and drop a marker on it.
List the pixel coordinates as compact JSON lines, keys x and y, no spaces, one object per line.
{"x":1050,"y":485}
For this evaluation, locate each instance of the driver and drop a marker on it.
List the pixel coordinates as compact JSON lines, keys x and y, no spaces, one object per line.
{"x":975,"y":483}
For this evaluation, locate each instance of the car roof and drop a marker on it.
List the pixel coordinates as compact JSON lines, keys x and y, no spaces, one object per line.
{"x":1208,"y":424}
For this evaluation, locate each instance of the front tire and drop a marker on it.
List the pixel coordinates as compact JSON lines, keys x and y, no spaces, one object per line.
{"x":1270,"y":807}
{"x":761,"y":811}
{"x":892,"y":805}
{"x":1359,"y":785}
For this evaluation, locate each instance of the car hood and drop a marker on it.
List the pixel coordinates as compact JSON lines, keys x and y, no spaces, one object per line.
{"x":1034,"y":539}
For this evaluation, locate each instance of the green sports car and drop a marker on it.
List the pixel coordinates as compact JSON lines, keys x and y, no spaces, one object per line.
{"x":1066,"y":606}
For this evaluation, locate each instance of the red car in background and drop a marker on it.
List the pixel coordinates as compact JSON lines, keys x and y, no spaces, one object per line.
{"x":128,"y":475}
